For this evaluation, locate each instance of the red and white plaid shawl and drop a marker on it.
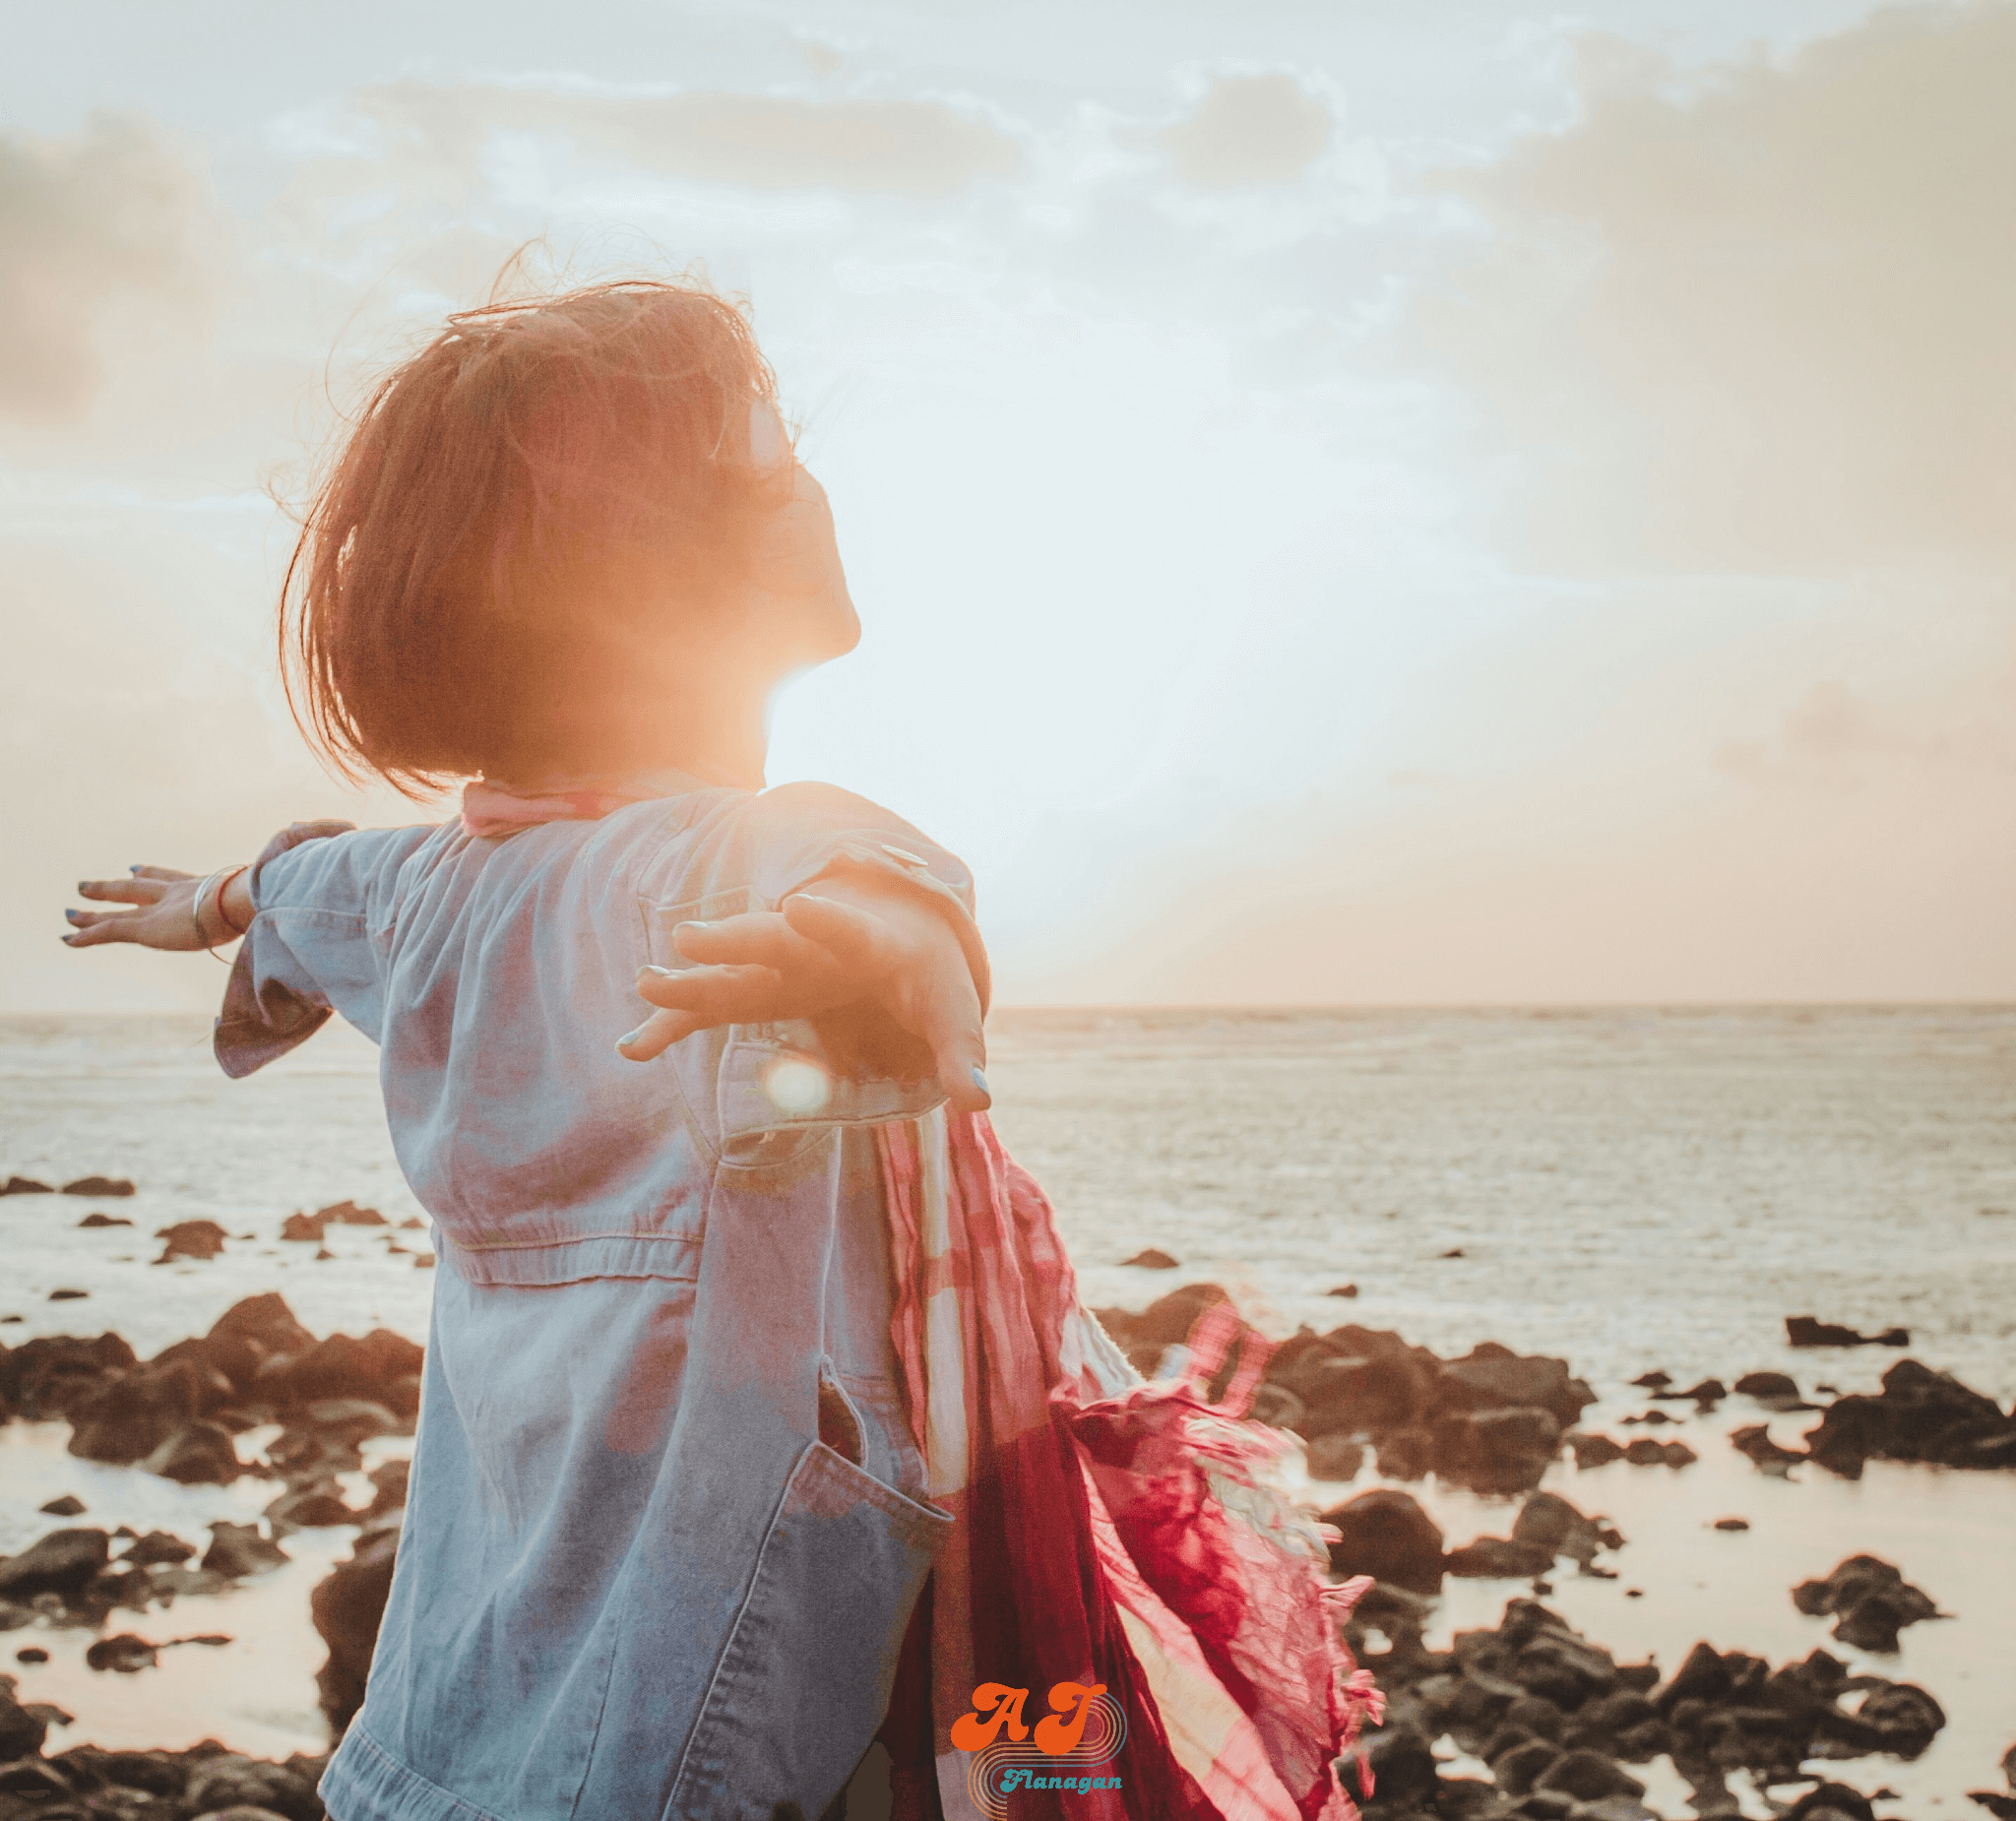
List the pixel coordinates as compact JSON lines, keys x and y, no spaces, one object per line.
{"x":1109,"y":1530}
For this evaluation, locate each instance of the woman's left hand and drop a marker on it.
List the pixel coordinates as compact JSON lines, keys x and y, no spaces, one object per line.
{"x":830,"y":955}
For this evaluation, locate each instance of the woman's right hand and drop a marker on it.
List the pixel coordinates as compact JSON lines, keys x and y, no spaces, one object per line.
{"x":163,"y":915}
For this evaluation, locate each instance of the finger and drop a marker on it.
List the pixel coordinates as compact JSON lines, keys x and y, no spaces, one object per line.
{"x":951,"y":1024}
{"x":863,"y":945}
{"x":760,"y":938}
{"x":134,"y":890}
{"x":718,"y":995}
{"x":159,"y":872}
{"x":90,"y":928}
{"x":656,"y":1034}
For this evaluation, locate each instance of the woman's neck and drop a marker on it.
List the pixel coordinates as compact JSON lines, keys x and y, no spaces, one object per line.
{"x":725,"y":740}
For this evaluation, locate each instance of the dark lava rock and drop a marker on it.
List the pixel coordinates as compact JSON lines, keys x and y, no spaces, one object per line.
{"x":68,"y":1506}
{"x":1832,"y":1798}
{"x":1389,"y":1537}
{"x":1505,"y":1450}
{"x":1470,"y":1798}
{"x":1755,"y":1443}
{"x":44,"y":1377}
{"x":158,"y":1546}
{"x":2002,"y":1807}
{"x":1588,"y":1776}
{"x":238,"y":1549}
{"x":34,"y":1653}
{"x":1594,"y":1450}
{"x":389,"y":1483}
{"x":64,"y":1563}
{"x":1278,"y":1407}
{"x":191,"y":1239}
{"x":1653,"y":1381}
{"x":1646,"y":1452}
{"x":1778,"y":1389}
{"x":103,"y":1219}
{"x":25,"y":1186}
{"x":382,"y":1368}
{"x":123,"y":1653}
{"x":1151,"y":1259}
{"x":1550,"y":1521}
{"x":1352,"y":1380}
{"x":1516,"y":1767}
{"x":347,"y":1608}
{"x":1731,"y":1523}
{"x":1341,"y":1289}
{"x":312,"y":1507}
{"x":1871,"y":1600}
{"x":200,"y":1455}
{"x":113,"y":1186}
{"x":1405,"y":1454}
{"x":230,"y":1781}
{"x":1336,"y":1457}
{"x":248,"y":1334}
{"x":20,"y":1732}
{"x":349,"y":1214}
{"x":1403,"y":1764}
{"x":1494,"y":1377}
{"x":1731,"y":1710}
{"x":130,"y":1418}
{"x":1488,"y":1558}
{"x":1807,"y":1331}
{"x":68,"y":1296}
{"x":1919,"y":1416}
{"x":303,"y":1227}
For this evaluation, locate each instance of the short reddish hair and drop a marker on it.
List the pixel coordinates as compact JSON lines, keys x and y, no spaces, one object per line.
{"x":514,"y":507}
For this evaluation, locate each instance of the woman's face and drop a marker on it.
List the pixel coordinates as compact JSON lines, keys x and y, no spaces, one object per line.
{"x":803,"y":611}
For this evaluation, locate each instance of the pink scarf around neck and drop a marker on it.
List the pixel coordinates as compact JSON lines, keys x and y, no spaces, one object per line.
{"x":489,"y":807}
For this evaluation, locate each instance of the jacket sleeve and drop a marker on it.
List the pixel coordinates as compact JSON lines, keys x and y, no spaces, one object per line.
{"x":323,"y":898}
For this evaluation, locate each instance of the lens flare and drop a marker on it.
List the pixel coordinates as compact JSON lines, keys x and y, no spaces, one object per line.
{"x":798,"y":1086}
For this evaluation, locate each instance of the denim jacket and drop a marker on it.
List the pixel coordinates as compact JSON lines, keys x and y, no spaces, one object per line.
{"x":665,"y":1521}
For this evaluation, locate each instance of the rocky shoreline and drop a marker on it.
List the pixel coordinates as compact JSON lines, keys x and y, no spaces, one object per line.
{"x":1551,"y":1721}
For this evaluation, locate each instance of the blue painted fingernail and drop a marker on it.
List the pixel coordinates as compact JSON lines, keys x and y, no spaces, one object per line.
{"x":624,"y":1042}
{"x":74,"y":916}
{"x":979,"y":1081}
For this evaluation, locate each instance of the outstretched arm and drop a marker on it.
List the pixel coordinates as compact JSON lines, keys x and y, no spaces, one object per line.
{"x":172,"y":909}
{"x":878,"y":968}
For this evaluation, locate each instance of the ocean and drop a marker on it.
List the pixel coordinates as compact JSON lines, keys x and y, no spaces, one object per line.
{"x":1628,"y":1189}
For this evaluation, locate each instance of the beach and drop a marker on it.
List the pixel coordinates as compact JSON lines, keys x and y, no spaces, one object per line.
{"x":1631,"y":1191}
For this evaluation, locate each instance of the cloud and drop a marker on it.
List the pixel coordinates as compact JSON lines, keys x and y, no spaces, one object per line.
{"x":84,"y":222}
{"x":1249,"y":129}
{"x":899,"y":148}
{"x":1836,"y":739}
{"x":1763,"y":326}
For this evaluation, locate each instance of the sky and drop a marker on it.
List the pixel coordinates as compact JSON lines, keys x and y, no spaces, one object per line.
{"x":1413,"y":502}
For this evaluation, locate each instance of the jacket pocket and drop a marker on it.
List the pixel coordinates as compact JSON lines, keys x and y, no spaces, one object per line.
{"x":803,"y":1680}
